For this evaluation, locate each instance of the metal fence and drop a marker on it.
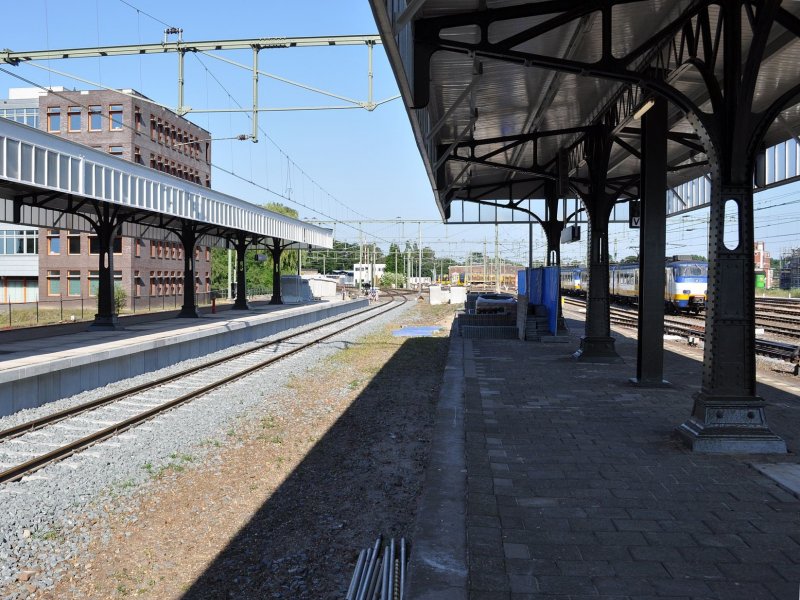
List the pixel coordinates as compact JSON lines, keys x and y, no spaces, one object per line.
{"x":66,"y":310}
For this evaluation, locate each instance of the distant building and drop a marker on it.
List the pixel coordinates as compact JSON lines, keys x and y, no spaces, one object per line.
{"x":790,"y":273}
{"x":58,"y":264}
{"x":363,"y":273}
{"x":763,"y":263}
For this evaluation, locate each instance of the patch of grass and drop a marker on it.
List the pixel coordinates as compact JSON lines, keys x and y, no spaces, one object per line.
{"x":268,"y":422}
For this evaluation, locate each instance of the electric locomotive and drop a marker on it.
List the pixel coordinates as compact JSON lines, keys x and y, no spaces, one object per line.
{"x":685,"y":285}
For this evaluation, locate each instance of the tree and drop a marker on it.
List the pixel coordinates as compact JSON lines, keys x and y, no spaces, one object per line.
{"x":258,"y":274}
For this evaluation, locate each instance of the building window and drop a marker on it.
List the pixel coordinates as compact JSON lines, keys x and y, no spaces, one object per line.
{"x":95,"y":117}
{"x":94,"y":282}
{"x":115,"y":150}
{"x":180,"y":251}
{"x":208,"y":253}
{"x":137,"y":155}
{"x":73,"y":283}
{"x":53,"y":283}
{"x":152,"y":128}
{"x":137,"y":118}
{"x":138,"y":247}
{"x":54,"y":119}
{"x":152,"y":161}
{"x":14,"y":241}
{"x":115,"y":117}
{"x":152,"y":249}
{"x":160,"y":249}
{"x":152,"y":283}
{"x":138,"y":284}
{"x":74,"y":118}
{"x":160,"y":132}
{"x":73,"y":242}
{"x":53,"y":242}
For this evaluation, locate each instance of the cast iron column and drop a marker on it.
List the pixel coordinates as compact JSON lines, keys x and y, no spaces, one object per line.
{"x":188,"y":236}
{"x":241,"y":283}
{"x":276,"y":250}
{"x":107,"y":229}
{"x":652,"y":247}
{"x":552,"y":229}
{"x":598,"y":345}
{"x":728,"y":415}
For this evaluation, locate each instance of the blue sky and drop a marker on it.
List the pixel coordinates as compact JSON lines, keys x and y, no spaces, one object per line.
{"x":355,"y":164}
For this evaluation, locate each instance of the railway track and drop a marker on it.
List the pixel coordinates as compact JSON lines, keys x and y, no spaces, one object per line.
{"x":27,"y":447}
{"x":675,"y":326}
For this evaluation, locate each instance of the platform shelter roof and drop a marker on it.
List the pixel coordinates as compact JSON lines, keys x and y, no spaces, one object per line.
{"x":47,"y":181}
{"x":501,"y":93}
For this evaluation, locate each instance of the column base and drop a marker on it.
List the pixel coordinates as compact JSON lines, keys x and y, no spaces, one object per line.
{"x":105,"y":323}
{"x":729,"y":425}
{"x":188,"y":312}
{"x":276,"y":300}
{"x":598,"y":350}
{"x":647,"y":383}
{"x":240,"y":305}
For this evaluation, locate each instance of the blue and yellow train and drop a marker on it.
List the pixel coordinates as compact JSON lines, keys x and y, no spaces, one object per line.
{"x":685,"y":289}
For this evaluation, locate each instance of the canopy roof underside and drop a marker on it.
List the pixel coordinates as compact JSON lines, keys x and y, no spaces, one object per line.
{"x":500,"y":91}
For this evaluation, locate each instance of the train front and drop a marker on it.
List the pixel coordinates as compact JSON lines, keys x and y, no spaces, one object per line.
{"x":687,"y":286}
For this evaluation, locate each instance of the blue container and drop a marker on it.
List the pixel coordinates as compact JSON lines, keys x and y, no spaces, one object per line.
{"x":550,"y":285}
{"x":534,"y":286}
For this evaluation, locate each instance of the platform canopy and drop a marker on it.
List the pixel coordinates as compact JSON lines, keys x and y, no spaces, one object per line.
{"x":46,"y":181}
{"x":501,"y":94}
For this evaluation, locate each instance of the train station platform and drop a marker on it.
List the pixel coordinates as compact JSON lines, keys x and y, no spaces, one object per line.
{"x":35,"y":370}
{"x":552,"y":478}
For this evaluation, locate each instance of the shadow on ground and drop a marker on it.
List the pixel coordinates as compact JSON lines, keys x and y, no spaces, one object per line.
{"x":360,"y":480}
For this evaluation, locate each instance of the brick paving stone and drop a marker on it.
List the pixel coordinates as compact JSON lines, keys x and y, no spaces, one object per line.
{"x":576,"y":485}
{"x":513,"y":550}
{"x":589,"y":568}
{"x":566,"y":584}
{"x":732,"y":590}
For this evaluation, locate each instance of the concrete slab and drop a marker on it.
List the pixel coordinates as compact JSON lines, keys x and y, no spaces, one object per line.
{"x":786,"y":475}
{"x":43,"y":369}
{"x":576,"y":487}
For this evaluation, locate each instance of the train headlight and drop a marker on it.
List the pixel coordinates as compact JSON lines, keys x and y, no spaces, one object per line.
{"x":687,"y":291}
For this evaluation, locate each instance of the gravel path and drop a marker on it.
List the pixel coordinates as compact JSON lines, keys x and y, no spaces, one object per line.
{"x":47,"y":518}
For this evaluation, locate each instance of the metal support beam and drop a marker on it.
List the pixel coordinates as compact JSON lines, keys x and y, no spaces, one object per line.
{"x":188,"y":235}
{"x":597,"y":345}
{"x":106,"y":227}
{"x":652,"y":247}
{"x":553,"y":227}
{"x":276,"y":250}
{"x":728,"y":416}
{"x":254,"y":135}
{"x":240,"y":244}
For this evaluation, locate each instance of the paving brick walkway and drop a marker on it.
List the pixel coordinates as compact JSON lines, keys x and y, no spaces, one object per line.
{"x":577,"y":489}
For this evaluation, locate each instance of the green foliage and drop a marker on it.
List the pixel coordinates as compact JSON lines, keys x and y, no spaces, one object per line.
{"x":120,"y":298}
{"x":258,"y":274}
{"x":390,"y":279}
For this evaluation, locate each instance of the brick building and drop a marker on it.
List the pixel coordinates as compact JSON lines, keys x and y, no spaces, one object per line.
{"x":763,"y":262}
{"x":128,"y":125}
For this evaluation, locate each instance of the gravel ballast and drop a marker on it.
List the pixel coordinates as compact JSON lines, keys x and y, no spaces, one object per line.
{"x":48,"y":516}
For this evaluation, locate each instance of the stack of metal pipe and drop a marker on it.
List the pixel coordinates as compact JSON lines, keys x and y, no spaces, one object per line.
{"x":380,"y":577}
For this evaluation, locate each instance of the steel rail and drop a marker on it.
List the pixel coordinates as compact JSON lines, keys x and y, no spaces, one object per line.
{"x":35,"y":424}
{"x":629,"y":318}
{"x":19,"y":471}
